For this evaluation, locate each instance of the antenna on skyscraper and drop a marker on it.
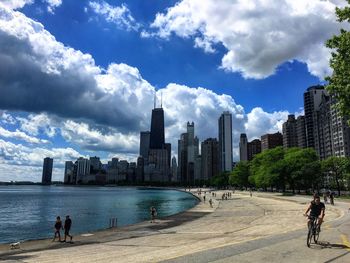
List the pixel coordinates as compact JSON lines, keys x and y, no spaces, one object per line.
{"x":161,"y":100}
{"x":155,"y":99}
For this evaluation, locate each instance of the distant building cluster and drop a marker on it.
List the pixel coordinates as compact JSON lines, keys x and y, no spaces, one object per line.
{"x":321,"y":128}
{"x":155,"y":164}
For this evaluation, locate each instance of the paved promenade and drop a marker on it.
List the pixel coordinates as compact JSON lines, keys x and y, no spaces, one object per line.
{"x":202,"y":231}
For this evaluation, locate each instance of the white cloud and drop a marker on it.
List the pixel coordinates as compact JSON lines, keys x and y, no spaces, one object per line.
{"x":35,"y":123}
{"x":7,"y":118}
{"x":20,"y":162}
{"x":16,"y":4}
{"x":19,"y":135}
{"x":260,"y":122}
{"x":258,"y":35}
{"x":52,"y":4}
{"x":118,"y":15}
{"x":93,"y":139}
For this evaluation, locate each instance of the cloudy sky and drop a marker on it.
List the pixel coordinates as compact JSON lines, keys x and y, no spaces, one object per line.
{"x":77,"y":78}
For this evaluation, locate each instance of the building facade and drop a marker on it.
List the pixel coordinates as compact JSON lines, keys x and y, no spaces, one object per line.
{"x":225,"y":141}
{"x":270,"y":141}
{"x":243,"y":147}
{"x":47,"y":171}
{"x":290,"y":134}
{"x":254,"y":148}
{"x":210,"y":158}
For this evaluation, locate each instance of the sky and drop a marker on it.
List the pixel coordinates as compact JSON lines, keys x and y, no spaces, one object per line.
{"x":78,"y":78}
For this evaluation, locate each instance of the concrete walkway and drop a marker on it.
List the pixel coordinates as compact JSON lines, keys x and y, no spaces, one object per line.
{"x":240,"y":219}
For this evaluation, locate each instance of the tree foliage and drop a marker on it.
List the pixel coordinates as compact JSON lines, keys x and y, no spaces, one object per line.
{"x":339,"y":82}
{"x":239,"y":176}
{"x":220,"y":180}
{"x":337,"y":169}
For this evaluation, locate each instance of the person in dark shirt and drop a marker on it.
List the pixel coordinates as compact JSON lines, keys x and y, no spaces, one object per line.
{"x":67,"y":226}
{"x":317,"y":209}
{"x":58,"y":226}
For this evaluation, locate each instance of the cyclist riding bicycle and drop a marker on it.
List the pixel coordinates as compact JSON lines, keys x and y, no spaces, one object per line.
{"x":317,"y":209}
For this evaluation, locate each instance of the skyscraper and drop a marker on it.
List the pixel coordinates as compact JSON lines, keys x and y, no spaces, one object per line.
{"x":254,"y":147}
{"x":225,"y":141}
{"x":47,"y":171}
{"x":243,"y":147}
{"x":290,"y":135}
{"x":312,"y":101}
{"x":210,"y":158}
{"x":157,"y":129}
{"x":301,"y":132}
{"x":68,"y":172}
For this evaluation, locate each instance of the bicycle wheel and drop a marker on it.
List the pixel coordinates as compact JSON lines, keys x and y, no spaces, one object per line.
{"x":316,"y":235}
{"x":309,"y":237}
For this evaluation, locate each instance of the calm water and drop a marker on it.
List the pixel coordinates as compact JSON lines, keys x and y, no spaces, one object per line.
{"x":29,"y":212}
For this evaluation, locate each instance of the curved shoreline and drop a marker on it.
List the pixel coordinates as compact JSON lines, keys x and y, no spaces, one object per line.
{"x":184,"y":233}
{"x":121,"y":228}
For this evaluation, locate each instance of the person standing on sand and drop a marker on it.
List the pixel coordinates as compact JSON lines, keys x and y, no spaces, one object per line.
{"x":153,"y":214}
{"x":67,"y":226}
{"x":58,"y":226}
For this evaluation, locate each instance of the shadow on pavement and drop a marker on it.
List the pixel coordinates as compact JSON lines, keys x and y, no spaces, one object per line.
{"x":16,"y":257}
{"x":325,"y":244}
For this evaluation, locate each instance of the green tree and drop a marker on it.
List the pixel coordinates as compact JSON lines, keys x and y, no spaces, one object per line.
{"x":339,"y":82}
{"x":220,"y":180}
{"x":240,"y":174}
{"x":337,"y":169}
{"x":267,"y":168}
{"x":302,"y":169}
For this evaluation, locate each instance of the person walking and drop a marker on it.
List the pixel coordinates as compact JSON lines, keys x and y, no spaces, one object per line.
{"x":211,"y":202}
{"x":58,"y":226}
{"x":67,"y":226}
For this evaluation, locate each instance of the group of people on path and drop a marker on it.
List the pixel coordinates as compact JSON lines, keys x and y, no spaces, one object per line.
{"x":328,"y":195}
{"x":66,"y":228}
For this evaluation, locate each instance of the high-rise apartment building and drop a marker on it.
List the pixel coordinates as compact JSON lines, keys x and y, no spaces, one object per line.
{"x":47,"y":171}
{"x":312,"y":101}
{"x":95,"y":163}
{"x":301,"y":131}
{"x":254,"y":147}
{"x":225,"y":141}
{"x":210,"y":158}
{"x":188,"y":150}
{"x":290,"y":134}
{"x":182,"y":157}
{"x":83,"y":169}
{"x":69,"y":172}
{"x":243,"y":147}
{"x":270,"y":141}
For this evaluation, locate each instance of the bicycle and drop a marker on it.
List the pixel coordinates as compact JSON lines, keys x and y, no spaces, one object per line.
{"x":313,"y":231}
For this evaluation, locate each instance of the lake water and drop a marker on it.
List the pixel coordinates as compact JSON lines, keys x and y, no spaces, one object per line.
{"x":29,"y":212}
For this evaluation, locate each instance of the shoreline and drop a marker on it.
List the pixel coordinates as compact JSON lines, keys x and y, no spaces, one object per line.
{"x":102,"y":231}
{"x":238,"y":220}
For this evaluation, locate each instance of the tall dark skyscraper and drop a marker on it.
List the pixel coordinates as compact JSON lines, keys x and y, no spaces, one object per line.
{"x":47,"y":171}
{"x":157,"y":140}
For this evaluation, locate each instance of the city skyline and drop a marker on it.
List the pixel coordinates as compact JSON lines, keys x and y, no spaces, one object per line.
{"x":81,"y":75}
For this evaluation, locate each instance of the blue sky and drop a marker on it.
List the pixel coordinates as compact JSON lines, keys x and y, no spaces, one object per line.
{"x":78,"y":77}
